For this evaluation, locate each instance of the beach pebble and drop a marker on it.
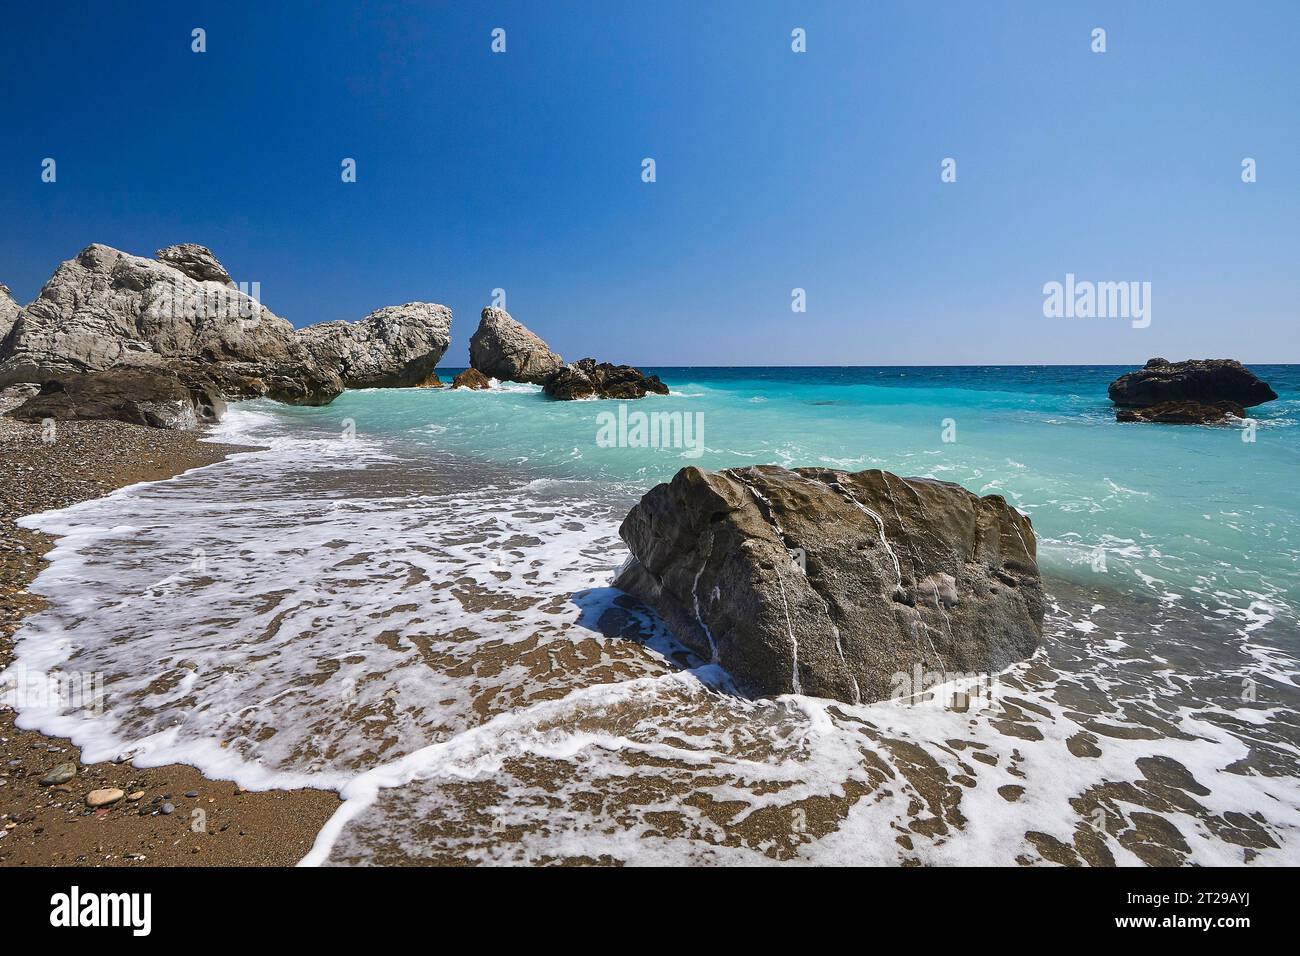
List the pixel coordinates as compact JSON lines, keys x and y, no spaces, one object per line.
{"x":102,"y":798}
{"x":61,"y":773}
{"x":191,"y":793}
{"x":135,"y":795}
{"x":168,"y":809}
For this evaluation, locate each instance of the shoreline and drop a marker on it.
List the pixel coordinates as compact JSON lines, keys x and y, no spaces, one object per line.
{"x":52,"y":825}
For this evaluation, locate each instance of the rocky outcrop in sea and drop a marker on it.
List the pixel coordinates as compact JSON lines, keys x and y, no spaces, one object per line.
{"x":587,"y":378}
{"x":394,"y":347}
{"x":505,"y":349}
{"x":835,"y":584}
{"x":471,"y":378}
{"x":1197,"y":391}
{"x":181,"y":315}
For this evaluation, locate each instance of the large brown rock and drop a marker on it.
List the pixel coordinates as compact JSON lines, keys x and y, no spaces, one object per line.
{"x":471,"y":378}
{"x":1206,"y":381}
{"x":587,"y":378}
{"x":833,"y":584}
{"x":141,"y":396}
{"x":504,"y":349}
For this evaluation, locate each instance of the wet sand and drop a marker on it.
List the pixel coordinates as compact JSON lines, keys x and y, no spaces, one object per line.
{"x":40,"y":825}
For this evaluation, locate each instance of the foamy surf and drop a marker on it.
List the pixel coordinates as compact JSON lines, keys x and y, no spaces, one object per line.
{"x":431,"y":634}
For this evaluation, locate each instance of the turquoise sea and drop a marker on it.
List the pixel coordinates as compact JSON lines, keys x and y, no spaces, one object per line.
{"x":404,"y":596}
{"x":1196,"y":508}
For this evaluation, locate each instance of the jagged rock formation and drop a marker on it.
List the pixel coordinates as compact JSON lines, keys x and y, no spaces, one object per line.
{"x":504,"y":349}
{"x":1205,"y":382}
{"x":9,"y":310}
{"x":586,"y":378}
{"x":833,"y":584}
{"x":141,"y":396}
{"x":471,"y":378}
{"x":106,"y":308}
{"x":393,"y":347}
{"x":195,"y":261}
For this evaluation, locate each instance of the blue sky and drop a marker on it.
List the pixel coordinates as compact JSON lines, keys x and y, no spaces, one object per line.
{"x":775,"y":170}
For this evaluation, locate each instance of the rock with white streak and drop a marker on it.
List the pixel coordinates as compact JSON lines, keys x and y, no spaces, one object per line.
{"x":836,"y":584}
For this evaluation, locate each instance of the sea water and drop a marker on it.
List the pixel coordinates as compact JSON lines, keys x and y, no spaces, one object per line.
{"x":405,"y":597}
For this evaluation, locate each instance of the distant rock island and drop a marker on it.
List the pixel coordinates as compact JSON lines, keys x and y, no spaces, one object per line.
{"x":180,"y":338}
{"x":1194,"y":392}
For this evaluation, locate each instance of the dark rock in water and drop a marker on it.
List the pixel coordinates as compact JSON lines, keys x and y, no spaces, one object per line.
{"x":834,"y":584}
{"x":393,"y":347}
{"x":1181,"y":413}
{"x":504,"y":349}
{"x":586,"y":378}
{"x":1199,"y":380}
{"x":195,"y":261}
{"x":141,"y":396}
{"x":471,"y":378}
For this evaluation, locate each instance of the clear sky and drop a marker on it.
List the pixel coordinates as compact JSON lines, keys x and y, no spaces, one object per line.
{"x":775,"y":170}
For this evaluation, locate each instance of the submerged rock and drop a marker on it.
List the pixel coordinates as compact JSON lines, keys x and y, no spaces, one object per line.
{"x":834,"y":584}
{"x":1182,"y":413}
{"x":141,"y":396}
{"x":1204,"y":381}
{"x":504,"y":349}
{"x":586,"y":378}
{"x":393,"y":347}
{"x":471,"y":378}
{"x":195,"y":261}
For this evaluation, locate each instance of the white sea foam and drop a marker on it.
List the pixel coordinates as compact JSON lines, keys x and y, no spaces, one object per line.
{"x":436,"y":640}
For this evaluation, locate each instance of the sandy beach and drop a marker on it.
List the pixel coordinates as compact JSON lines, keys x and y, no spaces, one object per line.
{"x":51,"y":825}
